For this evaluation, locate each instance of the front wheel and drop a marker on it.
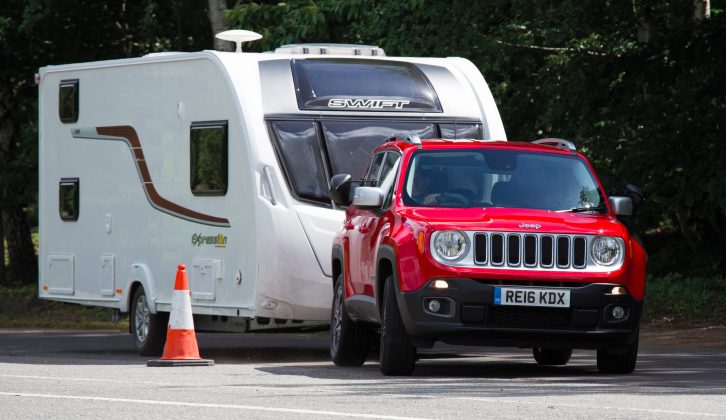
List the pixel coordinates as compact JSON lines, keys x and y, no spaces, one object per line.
{"x":349,"y":341}
{"x":618,"y":362}
{"x":398,"y":354}
{"x":551,"y":357}
{"x":147,"y":330}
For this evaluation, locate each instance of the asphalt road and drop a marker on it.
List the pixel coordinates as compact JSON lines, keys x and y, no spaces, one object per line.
{"x":62,"y":374}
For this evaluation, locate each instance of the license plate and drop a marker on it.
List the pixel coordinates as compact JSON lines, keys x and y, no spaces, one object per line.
{"x":527,"y":296}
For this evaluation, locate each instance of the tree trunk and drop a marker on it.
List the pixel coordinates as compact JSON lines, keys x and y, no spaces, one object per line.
{"x":701,"y":10}
{"x":3,"y":278}
{"x":23,"y":265}
{"x":219,"y":23}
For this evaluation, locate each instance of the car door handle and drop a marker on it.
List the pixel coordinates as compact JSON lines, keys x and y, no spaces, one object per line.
{"x":363,"y":229}
{"x":347,"y":225}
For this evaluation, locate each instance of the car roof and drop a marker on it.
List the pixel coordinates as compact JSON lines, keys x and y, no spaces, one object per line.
{"x":449,"y":144}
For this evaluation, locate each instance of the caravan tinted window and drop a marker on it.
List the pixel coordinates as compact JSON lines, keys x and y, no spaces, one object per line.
{"x":298,"y":146}
{"x":208,"y":154}
{"x":68,"y":101}
{"x":350,"y":143}
{"x":461,"y":131}
{"x":362,"y":85}
{"x":68,"y":192}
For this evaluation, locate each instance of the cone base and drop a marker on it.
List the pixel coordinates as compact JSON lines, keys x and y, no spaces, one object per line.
{"x":171,"y":363}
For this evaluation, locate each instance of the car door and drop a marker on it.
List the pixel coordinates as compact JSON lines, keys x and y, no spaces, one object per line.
{"x":376,"y":221}
{"x":357,"y":225}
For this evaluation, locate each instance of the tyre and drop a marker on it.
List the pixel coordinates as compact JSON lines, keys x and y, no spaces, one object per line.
{"x":551,"y":357}
{"x":349,"y":341}
{"x":147,"y":330}
{"x":611,"y":362}
{"x":398,"y":354}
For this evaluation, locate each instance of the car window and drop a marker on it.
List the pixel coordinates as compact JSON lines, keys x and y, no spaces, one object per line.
{"x":388,"y":176}
{"x":372,"y":174}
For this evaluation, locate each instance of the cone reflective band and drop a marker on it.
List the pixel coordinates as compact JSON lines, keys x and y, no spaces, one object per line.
{"x":181,"y":342}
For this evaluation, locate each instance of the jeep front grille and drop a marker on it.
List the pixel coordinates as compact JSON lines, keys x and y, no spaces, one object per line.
{"x":496,"y":250}
{"x":530,"y":250}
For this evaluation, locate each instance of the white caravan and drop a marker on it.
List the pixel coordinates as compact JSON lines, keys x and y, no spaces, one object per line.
{"x":221,"y":161}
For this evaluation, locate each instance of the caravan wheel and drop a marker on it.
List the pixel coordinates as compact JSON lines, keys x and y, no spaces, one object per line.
{"x":147,"y":330}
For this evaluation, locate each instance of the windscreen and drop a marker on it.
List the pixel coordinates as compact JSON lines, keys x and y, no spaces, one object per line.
{"x":501,"y":178}
{"x":338,"y":84}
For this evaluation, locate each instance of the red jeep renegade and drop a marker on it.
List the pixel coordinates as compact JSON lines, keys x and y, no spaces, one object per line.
{"x":490,"y":243}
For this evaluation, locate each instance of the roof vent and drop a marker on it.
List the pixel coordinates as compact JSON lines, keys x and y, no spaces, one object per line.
{"x":238,"y":36}
{"x":331,"y":49}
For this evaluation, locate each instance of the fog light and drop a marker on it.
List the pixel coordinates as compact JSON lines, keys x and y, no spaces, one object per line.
{"x":441,"y":284}
{"x":434,"y":305}
{"x":618,"y":290}
{"x":618,"y":312}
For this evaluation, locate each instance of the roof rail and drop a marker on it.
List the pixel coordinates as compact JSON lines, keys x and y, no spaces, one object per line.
{"x":558,"y":143}
{"x":331,"y":49}
{"x":408,"y":138}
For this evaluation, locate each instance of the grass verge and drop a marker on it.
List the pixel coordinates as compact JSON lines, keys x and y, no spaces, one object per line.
{"x":21,"y":308}
{"x":675,"y":300}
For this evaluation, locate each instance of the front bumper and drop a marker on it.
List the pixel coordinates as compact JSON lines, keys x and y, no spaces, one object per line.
{"x":469,"y":317}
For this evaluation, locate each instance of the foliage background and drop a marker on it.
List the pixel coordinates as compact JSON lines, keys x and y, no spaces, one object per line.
{"x":638,"y":85}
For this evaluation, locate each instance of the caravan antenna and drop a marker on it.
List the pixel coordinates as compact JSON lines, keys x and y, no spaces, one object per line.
{"x":238,"y":36}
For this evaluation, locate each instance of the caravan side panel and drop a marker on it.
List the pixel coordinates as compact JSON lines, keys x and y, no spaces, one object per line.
{"x":130,"y":151}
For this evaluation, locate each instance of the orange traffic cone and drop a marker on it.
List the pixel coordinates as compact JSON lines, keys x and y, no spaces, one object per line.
{"x":181,"y":342}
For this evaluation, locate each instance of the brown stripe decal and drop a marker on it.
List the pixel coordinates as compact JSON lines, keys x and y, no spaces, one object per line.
{"x":127,"y":134}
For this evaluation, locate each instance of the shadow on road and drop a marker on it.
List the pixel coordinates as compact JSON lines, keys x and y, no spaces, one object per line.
{"x":307,"y":355}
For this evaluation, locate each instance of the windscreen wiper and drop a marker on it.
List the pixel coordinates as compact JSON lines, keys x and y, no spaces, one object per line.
{"x":600,"y":209}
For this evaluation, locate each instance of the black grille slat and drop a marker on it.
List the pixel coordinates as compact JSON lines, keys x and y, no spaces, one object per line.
{"x":530,"y":250}
{"x":513,"y":249}
{"x":546,"y":251}
{"x":497,"y":249}
{"x":563,"y":251}
{"x":528,"y":317}
{"x":480,"y":248}
{"x":579,"y":251}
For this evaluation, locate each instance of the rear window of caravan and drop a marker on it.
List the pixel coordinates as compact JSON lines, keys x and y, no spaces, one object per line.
{"x":339,"y":84}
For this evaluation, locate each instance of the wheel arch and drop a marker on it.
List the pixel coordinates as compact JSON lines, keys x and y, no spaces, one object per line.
{"x":386,"y":265}
{"x":336,"y":261}
{"x":140,"y":276}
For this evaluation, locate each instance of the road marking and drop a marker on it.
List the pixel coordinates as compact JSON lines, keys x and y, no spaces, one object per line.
{"x":595,"y":407}
{"x":207,"y":405}
{"x":61,"y":378}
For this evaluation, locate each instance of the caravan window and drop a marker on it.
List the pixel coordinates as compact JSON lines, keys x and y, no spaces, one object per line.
{"x":298,"y":146}
{"x":208,"y":153}
{"x":68,"y":192}
{"x":350,"y":143}
{"x":461,"y":131}
{"x":339,"y":84}
{"x":68,"y":101}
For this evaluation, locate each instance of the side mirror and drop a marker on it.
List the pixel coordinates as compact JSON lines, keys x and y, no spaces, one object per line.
{"x":367,"y":197}
{"x":622,"y":206}
{"x":340,"y":189}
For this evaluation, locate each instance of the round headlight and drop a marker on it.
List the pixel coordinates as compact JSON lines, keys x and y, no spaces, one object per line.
{"x":450,"y":245}
{"x":605,"y":250}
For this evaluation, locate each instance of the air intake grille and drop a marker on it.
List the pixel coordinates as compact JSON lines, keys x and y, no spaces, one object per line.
{"x":530,"y":250}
